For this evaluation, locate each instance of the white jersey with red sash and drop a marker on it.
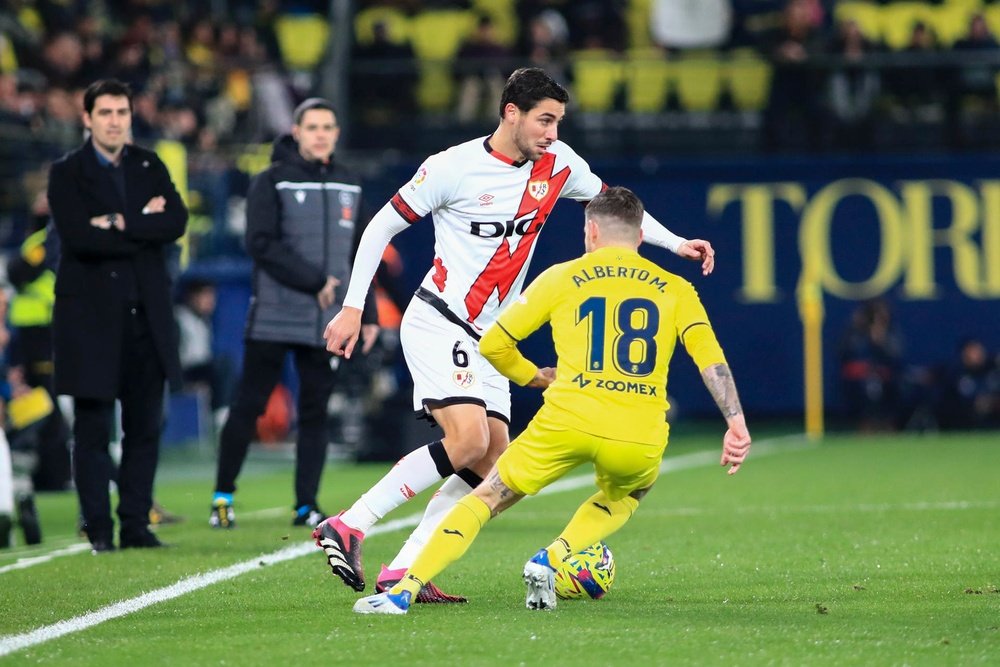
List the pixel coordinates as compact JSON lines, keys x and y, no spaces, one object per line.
{"x":488,"y":212}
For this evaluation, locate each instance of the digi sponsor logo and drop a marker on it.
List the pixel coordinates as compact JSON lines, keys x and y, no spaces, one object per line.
{"x":495,"y":230}
{"x":464,"y":379}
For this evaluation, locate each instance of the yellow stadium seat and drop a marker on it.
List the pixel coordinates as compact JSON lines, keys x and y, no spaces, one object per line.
{"x":898,"y":20}
{"x":302,"y":39}
{"x":637,"y":17}
{"x":597,"y":75}
{"x":436,"y":35}
{"x":951,"y":22}
{"x":504,"y":16}
{"x":435,"y":87}
{"x":866,"y":14}
{"x":397,"y":23}
{"x":749,"y":81}
{"x":699,"y":82}
{"x":647,"y":81}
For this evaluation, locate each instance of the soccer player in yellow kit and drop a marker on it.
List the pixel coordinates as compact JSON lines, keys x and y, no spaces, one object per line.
{"x":616,"y":318}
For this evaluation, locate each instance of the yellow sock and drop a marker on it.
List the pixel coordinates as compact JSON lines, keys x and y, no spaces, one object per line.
{"x":447,"y":543}
{"x":596,"y":519}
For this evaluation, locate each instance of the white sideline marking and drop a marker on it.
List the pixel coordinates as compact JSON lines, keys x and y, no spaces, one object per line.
{"x":29,"y":561}
{"x":74,"y":546}
{"x":11,"y":643}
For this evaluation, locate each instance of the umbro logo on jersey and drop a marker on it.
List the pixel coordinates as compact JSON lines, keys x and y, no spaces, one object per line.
{"x":538,"y":189}
{"x":486,"y":200}
{"x":300,"y":196}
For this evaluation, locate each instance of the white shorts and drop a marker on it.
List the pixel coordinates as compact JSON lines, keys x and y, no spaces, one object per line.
{"x":446,"y":366}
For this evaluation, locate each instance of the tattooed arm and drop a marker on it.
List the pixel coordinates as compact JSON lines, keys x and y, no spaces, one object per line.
{"x":736,"y":443}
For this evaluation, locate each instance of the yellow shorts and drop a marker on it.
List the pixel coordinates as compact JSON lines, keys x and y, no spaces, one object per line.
{"x":544,"y":452}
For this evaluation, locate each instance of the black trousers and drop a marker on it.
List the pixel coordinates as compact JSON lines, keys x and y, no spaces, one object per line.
{"x":140,"y":390}
{"x":262,"y":365}
{"x":53,"y":470}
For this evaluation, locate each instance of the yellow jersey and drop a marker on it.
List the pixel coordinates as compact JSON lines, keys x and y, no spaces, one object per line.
{"x":616,"y":318}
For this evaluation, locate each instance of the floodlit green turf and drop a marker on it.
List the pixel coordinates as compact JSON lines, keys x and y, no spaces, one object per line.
{"x":860,"y":551}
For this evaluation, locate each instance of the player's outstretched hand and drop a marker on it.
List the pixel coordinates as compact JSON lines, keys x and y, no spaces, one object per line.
{"x":735,"y":447}
{"x":543,"y":378}
{"x":699,"y":249}
{"x":341,"y":333}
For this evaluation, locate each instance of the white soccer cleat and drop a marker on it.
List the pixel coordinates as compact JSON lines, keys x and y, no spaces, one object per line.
{"x":383,"y":603}
{"x":540,"y":578}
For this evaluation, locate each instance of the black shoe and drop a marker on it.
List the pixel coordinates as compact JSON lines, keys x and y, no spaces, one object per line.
{"x":308,"y":515}
{"x":27,"y":516}
{"x":140,"y":540}
{"x":101,"y":545}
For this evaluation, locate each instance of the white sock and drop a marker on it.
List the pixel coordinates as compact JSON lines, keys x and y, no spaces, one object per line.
{"x":412,"y":474}
{"x":454,"y":489}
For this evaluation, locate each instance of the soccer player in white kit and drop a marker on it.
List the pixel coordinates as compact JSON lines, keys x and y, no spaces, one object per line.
{"x":489,"y":199}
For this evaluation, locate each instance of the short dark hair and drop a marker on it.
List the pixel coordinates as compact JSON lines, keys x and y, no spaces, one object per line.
{"x":309,"y":105}
{"x":112,"y":87}
{"x":616,"y":208}
{"x":528,"y":86}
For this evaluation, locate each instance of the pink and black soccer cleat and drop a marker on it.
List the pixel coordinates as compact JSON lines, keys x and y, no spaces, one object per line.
{"x":429,"y":593}
{"x":342,"y":545}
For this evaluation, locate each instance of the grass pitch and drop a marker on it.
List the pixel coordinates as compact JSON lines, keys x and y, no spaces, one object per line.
{"x":855,"y":551}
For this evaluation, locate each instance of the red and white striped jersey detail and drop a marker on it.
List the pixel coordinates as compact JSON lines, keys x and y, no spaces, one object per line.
{"x":487,"y":213}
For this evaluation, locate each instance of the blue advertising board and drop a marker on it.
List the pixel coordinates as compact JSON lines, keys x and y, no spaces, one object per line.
{"x":923,"y":234}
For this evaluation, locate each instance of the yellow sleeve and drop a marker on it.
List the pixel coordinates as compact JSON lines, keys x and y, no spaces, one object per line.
{"x":500,"y":349}
{"x":695,"y":331}
{"x":518,"y":321}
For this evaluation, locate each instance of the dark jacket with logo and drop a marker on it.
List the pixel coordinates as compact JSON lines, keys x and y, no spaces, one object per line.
{"x":303,"y":224}
{"x":104,"y":272}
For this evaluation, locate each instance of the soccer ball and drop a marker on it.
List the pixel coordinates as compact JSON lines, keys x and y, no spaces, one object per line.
{"x":588,"y":574}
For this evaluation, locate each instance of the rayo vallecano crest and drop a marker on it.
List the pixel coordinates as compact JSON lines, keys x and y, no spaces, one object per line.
{"x":300,"y":196}
{"x":538,"y":189}
{"x":464,"y":379}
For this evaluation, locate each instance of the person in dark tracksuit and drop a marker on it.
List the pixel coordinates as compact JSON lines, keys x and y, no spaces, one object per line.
{"x":302,"y":230}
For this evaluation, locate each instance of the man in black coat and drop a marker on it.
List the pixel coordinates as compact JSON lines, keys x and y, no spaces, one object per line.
{"x":303,"y":220}
{"x":117,"y":213}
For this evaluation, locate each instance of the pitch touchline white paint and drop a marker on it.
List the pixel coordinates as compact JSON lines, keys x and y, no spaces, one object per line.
{"x":13,"y":643}
{"x":29,"y":561}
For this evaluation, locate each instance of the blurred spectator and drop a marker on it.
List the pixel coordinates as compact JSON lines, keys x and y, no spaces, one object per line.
{"x":976,"y":80}
{"x":382,"y":82}
{"x":852,"y":90}
{"x":794,"y":117}
{"x":62,"y":60}
{"x":32,"y":273}
{"x":200,"y":367}
{"x":597,"y":24}
{"x":682,"y":24}
{"x":918,"y":88}
{"x":972,"y":395}
{"x":870,"y":359}
{"x":482,"y":65}
{"x":17,"y":494}
{"x":547,"y":44}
